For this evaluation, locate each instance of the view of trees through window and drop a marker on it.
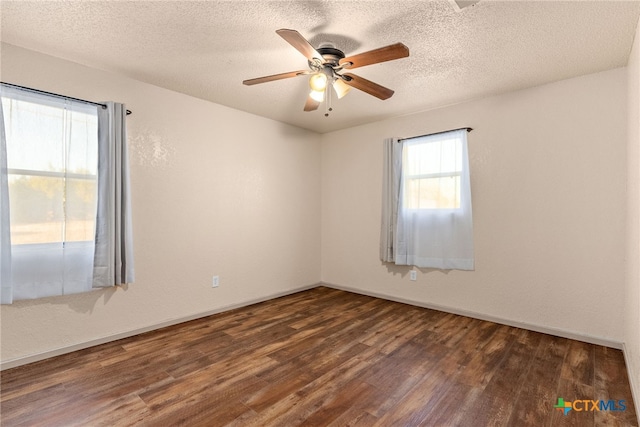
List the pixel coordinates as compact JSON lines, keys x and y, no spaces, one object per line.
{"x":51,"y":209}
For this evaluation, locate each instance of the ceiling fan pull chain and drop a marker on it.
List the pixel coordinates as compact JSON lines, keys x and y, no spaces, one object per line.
{"x":327,"y":97}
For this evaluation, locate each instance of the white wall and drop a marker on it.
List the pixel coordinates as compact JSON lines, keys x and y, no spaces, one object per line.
{"x":215,"y":191}
{"x":632,"y":294}
{"x":548,"y":187}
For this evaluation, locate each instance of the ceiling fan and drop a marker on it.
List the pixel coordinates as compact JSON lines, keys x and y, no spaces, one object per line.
{"x":327,"y":65}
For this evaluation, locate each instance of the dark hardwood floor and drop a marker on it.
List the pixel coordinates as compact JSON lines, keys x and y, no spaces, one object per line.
{"x":324,"y":357}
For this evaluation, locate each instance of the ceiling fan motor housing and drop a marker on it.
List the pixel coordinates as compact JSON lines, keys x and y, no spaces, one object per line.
{"x":331,"y":54}
{"x":330,"y":62}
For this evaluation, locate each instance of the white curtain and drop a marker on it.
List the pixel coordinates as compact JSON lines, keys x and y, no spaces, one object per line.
{"x":434,"y":226}
{"x":113,"y":260}
{"x":51,"y":147}
{"x":6,"y":294}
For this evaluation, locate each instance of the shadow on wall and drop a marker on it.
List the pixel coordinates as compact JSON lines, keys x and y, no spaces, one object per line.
{"x":404,"y":270}
{"x":80,"y":303}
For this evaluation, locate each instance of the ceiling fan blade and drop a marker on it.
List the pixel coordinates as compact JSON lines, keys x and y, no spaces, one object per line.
{"x":311,"y":104}
{"x":281,"y":76}
{"x":368,"y":86}
{"x":383,"y":54}
{"x":296,"y":40}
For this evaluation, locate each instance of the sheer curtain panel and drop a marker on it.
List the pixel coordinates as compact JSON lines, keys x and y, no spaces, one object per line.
{"x":6,"y":294}
{"x":113,"y":260}
{"x":51,"y":155}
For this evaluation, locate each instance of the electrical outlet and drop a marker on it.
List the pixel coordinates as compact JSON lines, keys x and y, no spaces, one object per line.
{"x":413,"y":275}
{"x":216,"y":282}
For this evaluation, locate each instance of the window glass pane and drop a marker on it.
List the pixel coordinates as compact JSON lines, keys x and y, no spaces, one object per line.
{"x":48,"y":138}
{"x":82,"y":150}
{"x":36,"y":209}
{"x":433,"y":193}
{"x":432,"y":167}
{"x":80,"y":207}
{"x":443,"y":156}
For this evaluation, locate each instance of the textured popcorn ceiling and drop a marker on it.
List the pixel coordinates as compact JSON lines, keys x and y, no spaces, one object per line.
{"x":206,"y":48}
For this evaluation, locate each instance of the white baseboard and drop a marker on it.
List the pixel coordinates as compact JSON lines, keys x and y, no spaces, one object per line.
{"x":80,"y":346}
{"x":635,"y":387}
{"x":522,"y":325}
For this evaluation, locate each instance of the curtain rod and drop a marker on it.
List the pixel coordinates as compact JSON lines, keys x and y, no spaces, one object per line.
{"x":436,"y":133}
{"x":30,"y":89}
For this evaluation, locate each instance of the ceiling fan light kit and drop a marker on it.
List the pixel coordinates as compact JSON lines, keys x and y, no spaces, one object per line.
{"x":341,"y":88}
{"x":318,"y":81}
{"x":326,"y":69}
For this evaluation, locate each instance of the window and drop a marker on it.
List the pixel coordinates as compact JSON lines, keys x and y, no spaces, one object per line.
{"x":52,"y":169}
{"x":426,"y":202}
{"x":64,"y":172}
{"x":432,"y":168}
{"x":52,"y":164}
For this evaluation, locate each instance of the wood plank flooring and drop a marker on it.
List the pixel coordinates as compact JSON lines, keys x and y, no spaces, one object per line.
{"x":323,"y":357}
